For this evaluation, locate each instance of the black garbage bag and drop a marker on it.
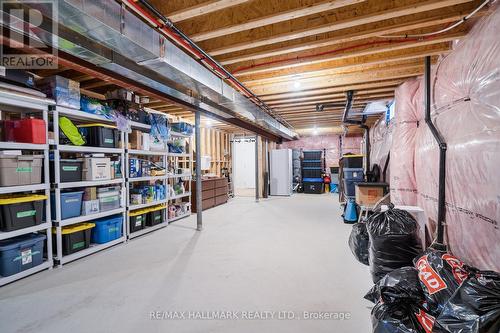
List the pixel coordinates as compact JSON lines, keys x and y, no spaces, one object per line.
{"x":440,"y":274}
{"x":399,"y":286}
{"x":400,"y":306}
{"x":474,"y":307}
{"x":401,"y":318}
{"x":394,"y":241}
{"x":359,"y":242}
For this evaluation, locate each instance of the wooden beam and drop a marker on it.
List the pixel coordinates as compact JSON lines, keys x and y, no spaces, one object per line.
{"x":273,"y":18}
{"x":424,"y":6}
{"x":322,"y":57}
{"x":291,"y":101}
{"x":329,"y":90}
{"x":95,"y":83}
{"x":372,"y":30}
{"x":202,"y":9}
{"x":340,"y":80}
{"x":334,"y":100}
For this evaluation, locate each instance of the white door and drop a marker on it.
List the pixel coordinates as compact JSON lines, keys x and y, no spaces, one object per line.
{"x":244,"y":166}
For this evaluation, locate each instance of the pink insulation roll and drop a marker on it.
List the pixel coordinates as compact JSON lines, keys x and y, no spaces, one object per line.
{"x":402,"y":179}
{"x":466,"y":110}
{"x":380,"y":142}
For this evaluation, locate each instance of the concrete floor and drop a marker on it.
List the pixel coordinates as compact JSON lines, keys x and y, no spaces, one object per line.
{"x":282,"y":255}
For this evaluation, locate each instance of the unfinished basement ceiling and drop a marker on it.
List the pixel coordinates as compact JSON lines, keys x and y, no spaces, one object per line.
{"x":295,"y":54}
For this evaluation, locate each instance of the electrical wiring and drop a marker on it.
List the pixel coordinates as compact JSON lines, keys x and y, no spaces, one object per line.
{"x":456,"y":24}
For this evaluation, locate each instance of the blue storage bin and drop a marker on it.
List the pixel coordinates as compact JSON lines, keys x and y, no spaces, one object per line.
{"x":21,"y":253}
{"x":107,"y":229}
{"x":354,"y":174}
{"x":71,"y":204}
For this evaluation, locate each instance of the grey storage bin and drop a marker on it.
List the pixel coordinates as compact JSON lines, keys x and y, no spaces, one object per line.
{"x":20,"y":169}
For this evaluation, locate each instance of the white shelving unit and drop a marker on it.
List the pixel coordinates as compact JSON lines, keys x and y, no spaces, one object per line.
{"x":25,"y":104}
{"x":146,"y":154}
{"x":58,"y":223}
{"x":184,"y":161}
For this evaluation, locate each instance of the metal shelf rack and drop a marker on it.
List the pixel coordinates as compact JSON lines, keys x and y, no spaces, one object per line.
{"x":57,"y":148}
{"x":152,"y":179}
{"x":25,"y":104}
{"x":185,"y":161}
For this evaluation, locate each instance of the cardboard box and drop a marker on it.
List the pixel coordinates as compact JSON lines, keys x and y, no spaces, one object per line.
{"x":368,"y":194}
{"x":139,"y":140}
{"x":90,"y":193}
{"x":96,"y":168}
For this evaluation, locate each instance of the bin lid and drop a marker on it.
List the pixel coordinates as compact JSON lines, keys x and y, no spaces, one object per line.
{"x":9,"y":200}
{"x":146,"y":210}
{"x":75,"y":228}
{"x":26,"y":240}
{"x":97,"y":125}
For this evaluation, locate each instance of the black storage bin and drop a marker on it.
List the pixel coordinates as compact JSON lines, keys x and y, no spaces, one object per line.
{"x":313,"y":188}
{"x":312,"y":163}
{"x":21,"y":212}
{"x":311,"y":173}
{"x":354,"y":161}
{"x":99,"y":136}
{"x":74,"y":238}
{"x":69,"y":171}
{"x":313,"y":155}
{"x":155,"y":217}
{"x":137,"y":222}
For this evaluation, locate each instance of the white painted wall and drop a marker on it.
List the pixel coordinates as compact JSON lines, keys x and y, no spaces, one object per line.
{"x":243,"y":164}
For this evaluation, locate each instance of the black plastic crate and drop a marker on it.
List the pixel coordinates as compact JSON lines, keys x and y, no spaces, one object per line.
{"x":69,"y":171}
{"x":19,"y":215}
{"x":313,"y":188}
{"x":355,"y":161}
{"x":312,"y":163}
{"x":313,"y":155}
{"x":155,"y":217}
{"x":308,"y":173}
{"x":100,"y":136}
{"x":74,"y":241}
{"x":137,"y":222}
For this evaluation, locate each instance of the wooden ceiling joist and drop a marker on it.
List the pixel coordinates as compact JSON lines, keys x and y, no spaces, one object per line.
{"x":356,"y":20}
{"x":330,"y":90}
{"x":373,"y":30}
{"x":201,"y":9}
{"x":275,"y":16}
{"x":372,"y":54}
{"x":340,"y":80}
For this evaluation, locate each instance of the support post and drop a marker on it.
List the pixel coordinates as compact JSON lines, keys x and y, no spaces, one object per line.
{"x":197,"y":136}
{"x":441,"y":214}
{"x":257,"y":168}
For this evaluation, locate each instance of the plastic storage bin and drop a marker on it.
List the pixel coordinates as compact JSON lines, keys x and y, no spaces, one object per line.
{"x":312,"y":154}
{"x":109,"y":198}
{"x":20,"y":169}
{"x":22,"y":211}
{"x":74,"y":238}
{"x":69,"y":170}
{"x":137,"y":220}
{"x":64,"y":91}
{"x":30,"y":131}
{"x":71,"y":204}
{"x":97,"y":168}
{"x":351,"y":177}
{"x":21,"y":253}
{"x":107,"y":229}
{"x":154,"y":217}
{"x":100,"y":135}
{"x":313,"y":187}
{"x":352,"y":161}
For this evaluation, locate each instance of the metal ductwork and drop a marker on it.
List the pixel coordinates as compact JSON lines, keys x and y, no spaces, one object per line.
{"x":108,"y":23}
